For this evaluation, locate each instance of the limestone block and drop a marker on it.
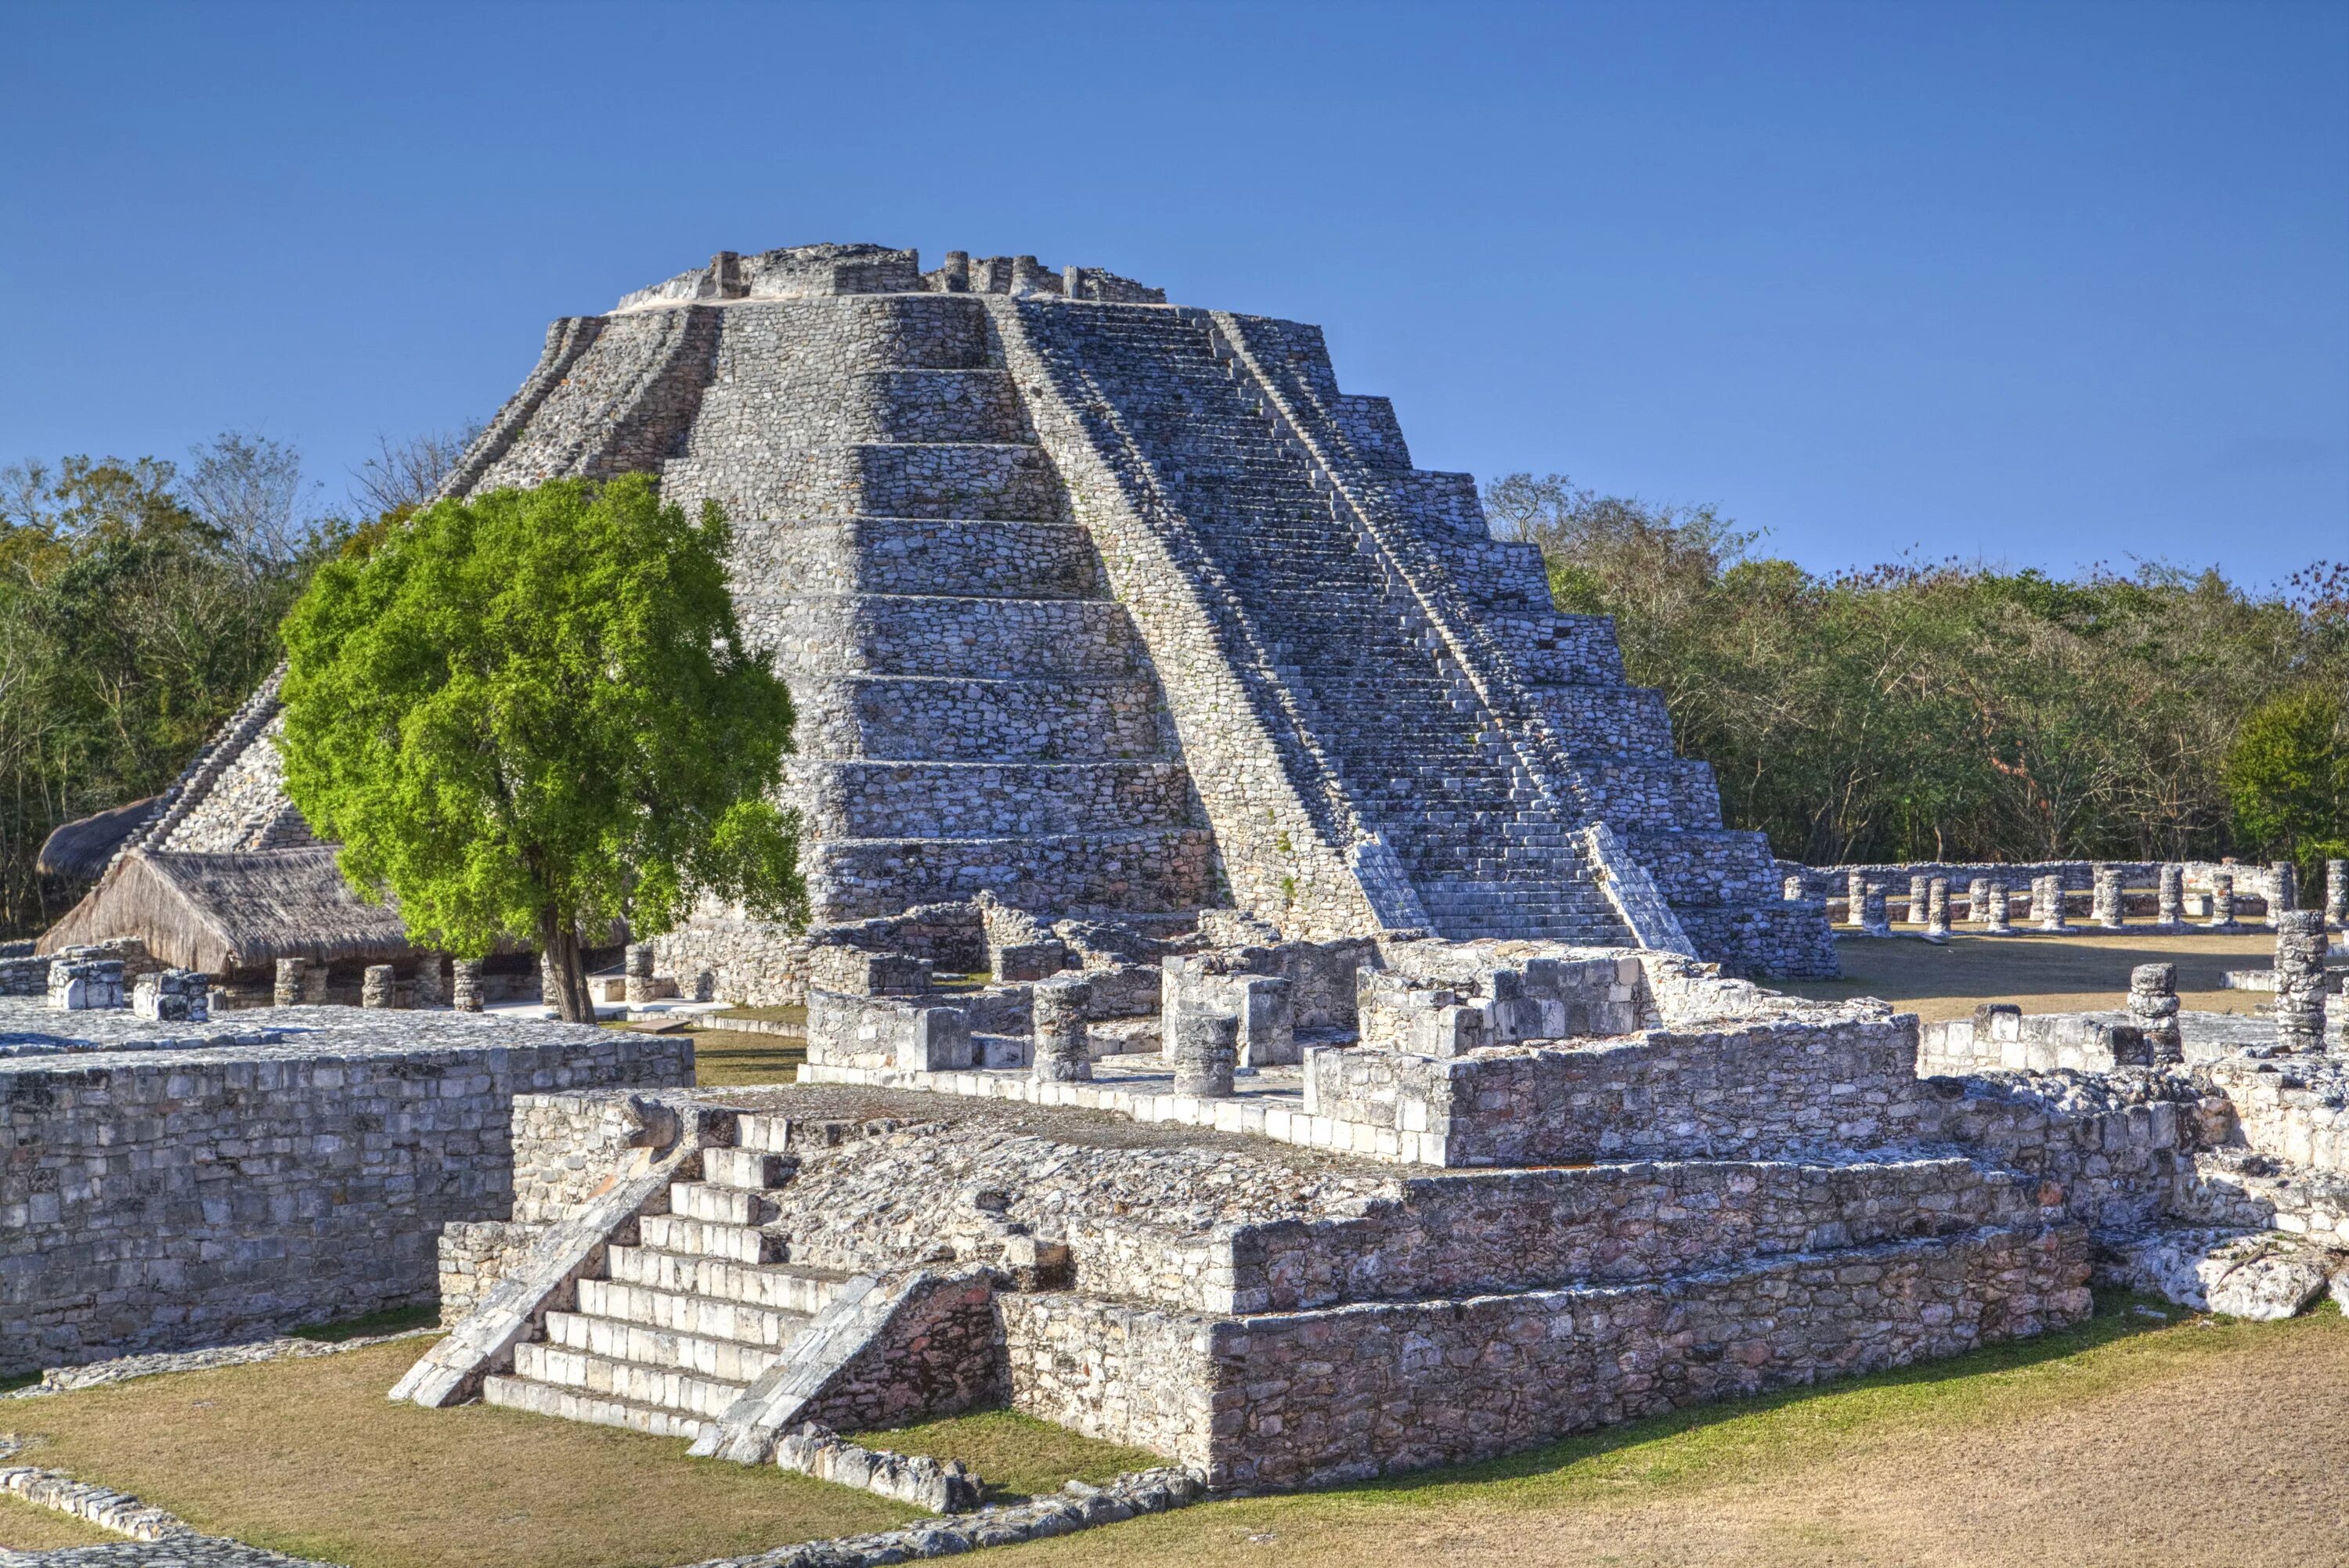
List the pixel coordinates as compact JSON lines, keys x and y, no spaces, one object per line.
{"x":76,"y":983}
{"x":2258,"y":1274}
{"x":1028,"y":959}
{"x":854,"y":972}
{"x":172,"y":995}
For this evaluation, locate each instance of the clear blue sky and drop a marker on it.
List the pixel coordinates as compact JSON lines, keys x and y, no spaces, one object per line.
{"x":2047,"y":284}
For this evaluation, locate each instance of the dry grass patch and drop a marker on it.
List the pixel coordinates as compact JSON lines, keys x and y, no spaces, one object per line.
{"x":27,"y":1528}
{"x":2043,"y":973}
{"x":1015,"y":1455}
{"x":2130,"y":1442}
{"x":309,"y":1458}
{"x":737,"y":1058}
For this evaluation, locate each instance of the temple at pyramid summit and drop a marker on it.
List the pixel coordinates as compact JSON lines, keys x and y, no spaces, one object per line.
{"x":1103,"y":607}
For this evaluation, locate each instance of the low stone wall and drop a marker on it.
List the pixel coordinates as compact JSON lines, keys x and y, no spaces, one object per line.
{"x":1125,"y":1374}
{"x":1304,"y":1398}
{"x":1996,"y":1040}
{"x":1767,"y":1089}
{"x":1527,"y":1230}
{"x":474,"y":1255}
{"x":2110,"y":1146}
{"x":2293,"y":1108}
{"x":164,"y":1200}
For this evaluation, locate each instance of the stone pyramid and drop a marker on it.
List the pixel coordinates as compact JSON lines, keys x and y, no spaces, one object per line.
{"x":1104,"y":605}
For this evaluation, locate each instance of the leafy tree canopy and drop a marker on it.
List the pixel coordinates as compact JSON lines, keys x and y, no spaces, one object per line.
{"x":2287,"y":777}
{"x":531,"y":711}
{"x":1946,"y":710}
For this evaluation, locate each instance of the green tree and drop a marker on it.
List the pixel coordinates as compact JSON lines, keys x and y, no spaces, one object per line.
{"x":2287,"y":777}
{"x":531,"y":712}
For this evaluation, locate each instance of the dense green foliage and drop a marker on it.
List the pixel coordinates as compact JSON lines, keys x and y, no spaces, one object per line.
{"x":1909,"y":712}
{"x":530,"y":711}
{"x":138,"y":605}
{"x":2287,"y":776}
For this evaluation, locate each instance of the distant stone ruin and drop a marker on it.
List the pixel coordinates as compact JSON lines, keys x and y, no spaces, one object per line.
{"x":1091,"y":602}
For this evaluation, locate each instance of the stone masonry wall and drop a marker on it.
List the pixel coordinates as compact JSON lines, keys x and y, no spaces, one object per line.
{"x":1479,"y":1233}
{"x":1455,"y":1380}
{"x":1769,"y":1088}
{"x":167,"y":1200}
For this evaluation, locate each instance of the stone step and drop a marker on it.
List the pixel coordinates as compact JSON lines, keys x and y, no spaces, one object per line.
{"x":794,"y":1288}
{"x":906,"y":634}
{"x":866,"y":799}
{"x":709,"y":1317}
{"x":1148,"y":870}
{"x":727,"y":1360}
{"x":739,"y":1244}
{"x":663,"y":1387}
{"x":956,"y":718}
{"x":724,"y":1205}
{"x":753,"y":1169}
{"x":829,"y":406}
{"x":577,"y":1405}
{"x":978,"y":479}
{"x":914,"y":555}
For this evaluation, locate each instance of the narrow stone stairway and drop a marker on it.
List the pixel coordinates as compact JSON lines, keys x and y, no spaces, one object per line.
{"x":672,"y":1328}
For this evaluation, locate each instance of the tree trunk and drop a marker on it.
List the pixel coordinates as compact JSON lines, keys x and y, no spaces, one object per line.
{"x":558,"y":940}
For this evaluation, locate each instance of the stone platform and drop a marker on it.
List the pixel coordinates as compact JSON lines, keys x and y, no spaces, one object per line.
{"x":176,"y":1186}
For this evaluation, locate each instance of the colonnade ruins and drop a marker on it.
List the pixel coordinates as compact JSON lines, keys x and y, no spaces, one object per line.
{"x":1274,"y":996}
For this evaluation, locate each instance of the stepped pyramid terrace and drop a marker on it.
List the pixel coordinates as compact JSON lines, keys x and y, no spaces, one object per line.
{"x":1093,"y":603}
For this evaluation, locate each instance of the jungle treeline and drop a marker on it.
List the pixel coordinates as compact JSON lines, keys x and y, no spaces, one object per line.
{"x":1898,"y":712}
{"x":1955,"y":711}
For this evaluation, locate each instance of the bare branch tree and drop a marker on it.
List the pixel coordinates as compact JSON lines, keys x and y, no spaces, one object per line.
{"x":249,"y":488}
{"x":407,"y":473}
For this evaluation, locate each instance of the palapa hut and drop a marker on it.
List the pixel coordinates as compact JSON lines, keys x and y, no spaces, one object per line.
{"x":220,"y":873}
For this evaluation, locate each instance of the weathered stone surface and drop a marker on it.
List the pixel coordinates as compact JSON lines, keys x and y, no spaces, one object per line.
{"x":2255,"y":1274}
{"x":168,"y":1192}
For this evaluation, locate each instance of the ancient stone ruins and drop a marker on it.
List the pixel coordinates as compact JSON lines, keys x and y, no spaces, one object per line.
{"x":1270,"y":1001}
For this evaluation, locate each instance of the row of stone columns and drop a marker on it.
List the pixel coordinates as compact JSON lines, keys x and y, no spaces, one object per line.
{"x":301,"y":982}
{"x":1204,"y":1049}
{"x":1987,"y":900}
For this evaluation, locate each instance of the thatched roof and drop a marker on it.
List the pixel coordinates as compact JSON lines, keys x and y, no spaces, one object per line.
{"x":80,"y":850}
{"x":227,"y":913}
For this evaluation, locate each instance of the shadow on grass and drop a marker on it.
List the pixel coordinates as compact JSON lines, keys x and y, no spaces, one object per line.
{"x":392,"y":1320}
{"x":2116,"y":1319}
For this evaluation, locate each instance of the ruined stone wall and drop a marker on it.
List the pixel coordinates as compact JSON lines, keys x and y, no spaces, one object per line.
{"x":1480,"y":1232}
{"x":1456,"y":1380}
{"x":1771,"y":1087}
{"x":2110,"y":1146}
{"x":1125,"y":1373}
{"x":162,"y":1200}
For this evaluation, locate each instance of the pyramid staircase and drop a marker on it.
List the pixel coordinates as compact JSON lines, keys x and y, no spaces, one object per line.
{"x":670,"y":1331}
{"x":976,"y":710}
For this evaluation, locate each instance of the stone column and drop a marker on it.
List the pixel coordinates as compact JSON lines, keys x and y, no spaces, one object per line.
{"x":1791,"y":889}
{"x":2170,"y":914}
{"x":1872,"y":912}
{"x":2283,"y":891}
{"x":1996,"y":923}
{"x":2336,"y":894}
{"x":2108,"y":897}
{"x":2223,"y":901}
{"x":1978,"y":901}
{"x":430,"y":988}
{"x":288,"y":992}
{"x":1060,"y":1056}
{"x":2300,"y":980}
{"x":1206,"y":1052}
{"x":2153,"y":1008}
{"x":2047,"y":903}
{"x":1937,"y":909}
{"x":1855,"y":895}
{"x":378,"y":988}
{"x":465,"y":984}
{"x":1919,"y":890}
{"x":638,"y":968}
